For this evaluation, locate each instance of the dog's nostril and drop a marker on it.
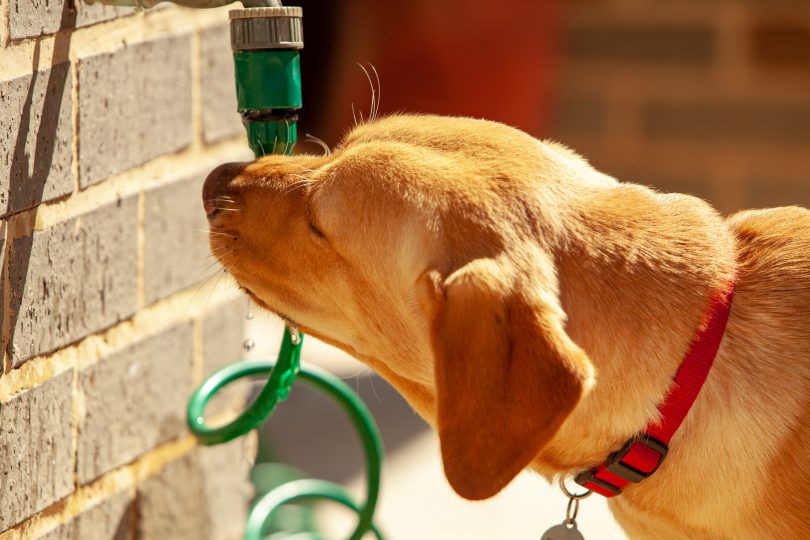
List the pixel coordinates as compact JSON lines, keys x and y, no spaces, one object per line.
{"x":214,"y":192}
{"x":209,"y":206}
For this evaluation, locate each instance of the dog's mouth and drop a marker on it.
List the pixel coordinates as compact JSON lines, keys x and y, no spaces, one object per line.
{"x":289,"y":321}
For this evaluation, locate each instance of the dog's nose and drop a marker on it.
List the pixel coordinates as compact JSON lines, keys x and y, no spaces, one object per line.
{"x":215,"y":187}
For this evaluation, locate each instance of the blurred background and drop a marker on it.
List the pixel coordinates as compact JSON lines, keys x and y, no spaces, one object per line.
{"x":707,"y":98}
{"x":710,"y":98}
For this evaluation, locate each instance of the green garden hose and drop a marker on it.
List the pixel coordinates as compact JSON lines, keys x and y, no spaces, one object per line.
{"x":266,"y":42}
{"x":264,"y":403}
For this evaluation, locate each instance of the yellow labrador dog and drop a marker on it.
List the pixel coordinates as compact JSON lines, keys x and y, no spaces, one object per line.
{"x":534,"y":311}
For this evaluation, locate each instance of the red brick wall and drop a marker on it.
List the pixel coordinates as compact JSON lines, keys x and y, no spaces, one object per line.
{"x":709,"y":98}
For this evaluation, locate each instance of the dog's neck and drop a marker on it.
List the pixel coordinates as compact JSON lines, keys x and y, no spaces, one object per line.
{"x":635,"y":280}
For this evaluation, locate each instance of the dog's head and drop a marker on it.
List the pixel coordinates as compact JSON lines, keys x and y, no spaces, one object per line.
{"x":423,"y":246}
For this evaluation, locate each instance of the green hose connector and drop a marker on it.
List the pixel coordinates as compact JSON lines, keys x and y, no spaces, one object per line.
{"x":267,"y":79}
{"x":267,"y":66}
{"x":271,"y":137}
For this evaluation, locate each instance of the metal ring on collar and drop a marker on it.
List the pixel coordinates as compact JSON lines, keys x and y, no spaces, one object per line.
{"x":564,"y":489}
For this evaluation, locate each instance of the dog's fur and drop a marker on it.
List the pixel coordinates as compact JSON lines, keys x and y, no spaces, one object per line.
{"x":534,"y":311}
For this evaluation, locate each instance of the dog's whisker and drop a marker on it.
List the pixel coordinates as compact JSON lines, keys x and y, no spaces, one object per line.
{"x":218,"y":272}
{"x":288,"y":143}
{"x":220,"y":253}
{"x":293,"y":187}
{"x":225,"y":235}
{"x":215,"y":233}
{"x":371,"y":383}
{"x":326,"y":150}
{"x":379,"y":90}
{"x":373,"y":93}
{"x":354,"y":116}
{"x":209,"y":267}
{"x":211,"y":292}
{"x":301,"y":167}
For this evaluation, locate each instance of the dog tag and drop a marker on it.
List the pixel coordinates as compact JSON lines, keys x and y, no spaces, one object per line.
{"x":563,"y":532}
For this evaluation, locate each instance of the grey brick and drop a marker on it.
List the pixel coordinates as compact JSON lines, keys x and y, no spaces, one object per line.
{"x":96,"y":13}
{"x":227,"y":486}
{"x":176,"y":252}
{"x":202,"y":496}
{"x":29,"y":18}
{"x":36,"y":138}
{"x":674,"y":45}
{"x":134,"y":105}
{"x":741,"y":121}
{"x":110,"y":519}
{"x":72,"y":279}
{"x":219,"y":116}
{"x":223,"y":333}
{"x":134,"y":400}
{"x":36,"y":466}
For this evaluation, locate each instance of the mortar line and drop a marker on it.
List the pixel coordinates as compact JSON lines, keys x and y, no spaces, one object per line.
{"x":5,"y":324}
{"x":137,"y":27}
{"x":196,"y":89}
{"x":140,"y":235}
{"x":76,"y":415}
{"x":161,"y":170}
{"x":181,"y":307}
{"x":5,"y":25}
{"x":111,"y":483}
{"x":134,"y":515}
{"x":74,"y":166}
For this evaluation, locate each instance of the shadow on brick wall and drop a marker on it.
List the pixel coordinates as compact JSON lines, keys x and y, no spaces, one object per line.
{"x":28,"y":174}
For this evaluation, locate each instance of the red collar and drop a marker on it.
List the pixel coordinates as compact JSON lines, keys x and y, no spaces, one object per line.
{"x":642,"y":455}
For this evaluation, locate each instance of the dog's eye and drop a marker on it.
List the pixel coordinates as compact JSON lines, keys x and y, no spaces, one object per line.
{"x":312,"y":225}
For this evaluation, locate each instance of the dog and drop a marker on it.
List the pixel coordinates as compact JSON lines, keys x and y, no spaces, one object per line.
{"x":534,"y":311}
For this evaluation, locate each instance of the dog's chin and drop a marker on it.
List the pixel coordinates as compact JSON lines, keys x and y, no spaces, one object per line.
{"x":289,"y":321}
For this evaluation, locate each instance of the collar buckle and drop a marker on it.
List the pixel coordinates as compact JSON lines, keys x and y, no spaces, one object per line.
{"x":632,"y":461}
{"x":588,"y":480}
{"x":636,"y":460}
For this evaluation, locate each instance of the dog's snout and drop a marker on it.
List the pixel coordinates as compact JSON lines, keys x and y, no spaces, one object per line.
{"x":215,"y":187}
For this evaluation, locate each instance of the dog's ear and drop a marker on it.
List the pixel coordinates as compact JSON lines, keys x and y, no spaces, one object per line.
{"x":507,"y":376}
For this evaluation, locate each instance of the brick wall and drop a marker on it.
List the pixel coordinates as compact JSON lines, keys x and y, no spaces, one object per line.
{"x":109,"y":121}
{"x":709,"y":98}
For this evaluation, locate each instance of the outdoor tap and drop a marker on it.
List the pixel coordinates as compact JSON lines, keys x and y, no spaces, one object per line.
{"x":201,"y":4}
{"x":265,"y":43}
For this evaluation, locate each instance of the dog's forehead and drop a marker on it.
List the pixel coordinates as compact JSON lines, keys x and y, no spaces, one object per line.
{"x":436,"y":132}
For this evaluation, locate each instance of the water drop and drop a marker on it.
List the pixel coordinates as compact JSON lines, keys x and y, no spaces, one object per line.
{"x":248,"y":345}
